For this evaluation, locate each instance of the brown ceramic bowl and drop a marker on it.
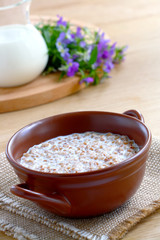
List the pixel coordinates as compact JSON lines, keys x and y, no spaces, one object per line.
{"x":81,"y":194}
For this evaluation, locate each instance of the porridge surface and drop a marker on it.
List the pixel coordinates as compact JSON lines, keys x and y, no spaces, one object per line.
{"x":79,"y":152}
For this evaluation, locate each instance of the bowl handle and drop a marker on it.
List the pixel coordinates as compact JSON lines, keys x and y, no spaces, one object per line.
{"x":56,"y":201}
{"x":135,"y":113}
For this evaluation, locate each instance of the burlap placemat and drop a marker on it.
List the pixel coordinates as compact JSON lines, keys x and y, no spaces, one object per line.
{"x":23,"y":219}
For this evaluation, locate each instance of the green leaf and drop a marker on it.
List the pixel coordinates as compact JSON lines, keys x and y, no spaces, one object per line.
{"x":93,"y":57}
{"x":96,"y":80}
{"x":82,"y":73}
{"x":46,"y":35}
{"x":62,"y":75}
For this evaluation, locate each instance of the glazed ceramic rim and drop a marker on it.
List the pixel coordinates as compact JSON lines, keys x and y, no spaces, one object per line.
{"x":20,"y":2}
{"x":117,"y":166}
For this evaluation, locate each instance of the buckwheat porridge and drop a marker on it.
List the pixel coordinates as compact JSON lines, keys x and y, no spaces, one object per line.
{"x":79,"y":152}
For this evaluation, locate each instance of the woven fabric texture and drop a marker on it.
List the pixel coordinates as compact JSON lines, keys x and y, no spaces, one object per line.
{"x":23,"y":219}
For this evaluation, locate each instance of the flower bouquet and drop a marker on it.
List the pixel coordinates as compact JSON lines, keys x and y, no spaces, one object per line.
{"x":78,"y":50}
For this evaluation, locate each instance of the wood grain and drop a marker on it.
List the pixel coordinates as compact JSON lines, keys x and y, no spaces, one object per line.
{"x":135,"y":84}
{"x":40,"y":91}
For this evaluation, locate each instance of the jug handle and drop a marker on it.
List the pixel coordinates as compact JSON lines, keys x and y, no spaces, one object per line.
{"x":135,"y":114}
{"x":55,"y":200}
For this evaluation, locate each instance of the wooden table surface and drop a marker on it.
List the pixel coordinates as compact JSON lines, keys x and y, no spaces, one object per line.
{"x":135,"y":84}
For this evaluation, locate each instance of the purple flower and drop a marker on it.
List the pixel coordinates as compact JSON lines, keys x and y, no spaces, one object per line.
{"x":108,"y":65}
{"x":112,"y":49}
{"x":64,"y":39}
{"x":61,"y":37}
{"x":82,"y":44}
{"x":61,"y":22}
{"x":97,"y":63}
{"x":124,"y":49}
{"x":59,"y":42}
{"x":72,"y":68}
{"x":61,"y":46}
{"x":103,"y":42}
{"x":69,"y":37}
{"x":123,"y":52}
{"x":65,"y":54}
{"x":119,"y":54}
{"x":87,"y":80}
{"x":78,"y":33}
{"x":105,"y":54}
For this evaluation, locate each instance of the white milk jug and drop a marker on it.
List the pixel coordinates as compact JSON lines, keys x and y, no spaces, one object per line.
{"x":23,"y":51}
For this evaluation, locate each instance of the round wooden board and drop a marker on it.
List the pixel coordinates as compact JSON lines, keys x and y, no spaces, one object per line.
{"x":42,"y":90}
